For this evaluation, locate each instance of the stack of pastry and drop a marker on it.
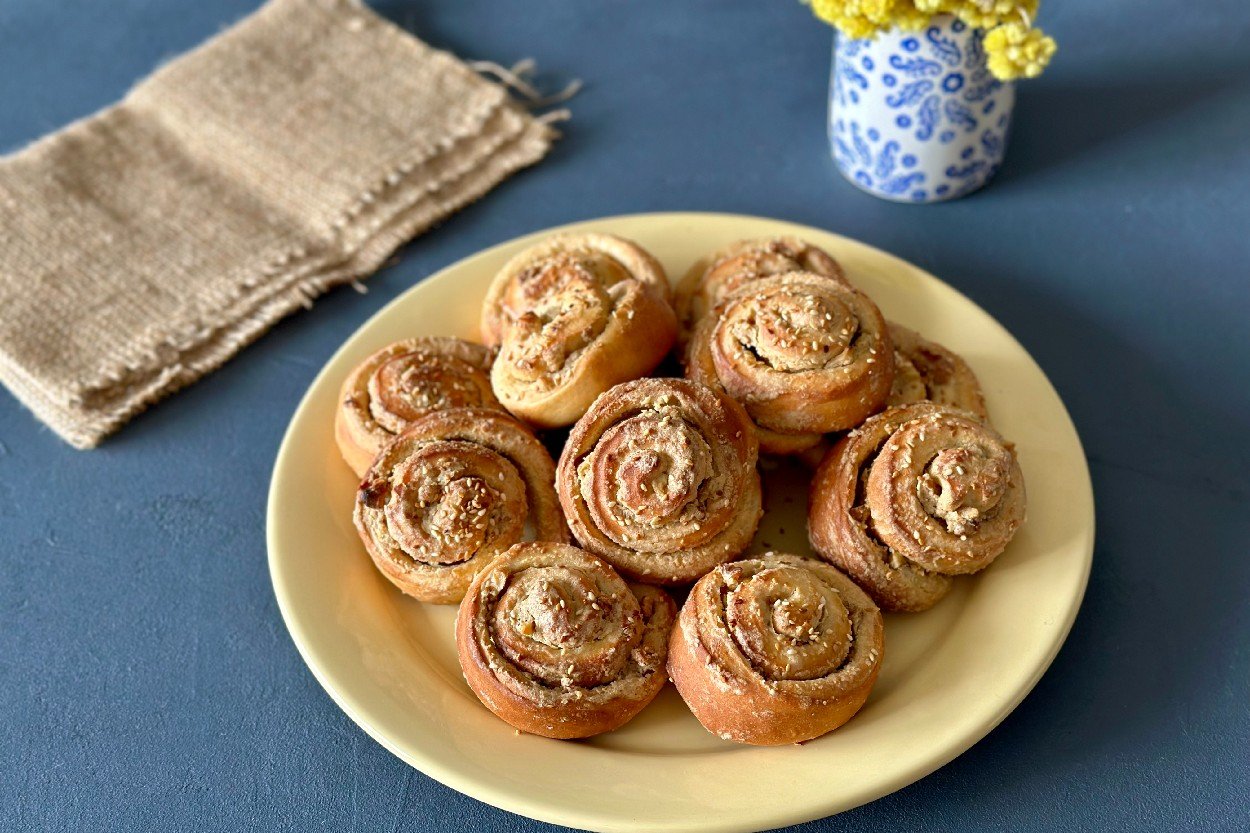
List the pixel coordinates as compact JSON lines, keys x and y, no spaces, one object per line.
{"x":461,"y":503}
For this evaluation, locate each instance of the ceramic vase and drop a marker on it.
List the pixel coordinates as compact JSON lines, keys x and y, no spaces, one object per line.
{"x":917,"y":116}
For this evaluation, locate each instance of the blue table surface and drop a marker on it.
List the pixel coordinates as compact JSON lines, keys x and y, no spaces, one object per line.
{"x":147,"y":680}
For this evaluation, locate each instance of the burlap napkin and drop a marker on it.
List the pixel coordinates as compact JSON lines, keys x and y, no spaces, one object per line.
{"x":147,"y":244}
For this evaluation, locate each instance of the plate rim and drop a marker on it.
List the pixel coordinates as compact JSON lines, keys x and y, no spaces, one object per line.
{"x":534,"y":806}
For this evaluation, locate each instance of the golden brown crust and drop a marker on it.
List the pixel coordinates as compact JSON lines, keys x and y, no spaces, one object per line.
{"x":925,"y":370}
{"x":554,"y":642}
{"x":454,"y":490}
{"x":659,"y":479}
{"x":712,"y":278}
{"x":803,"y":354}
{"x":519,"y":284}
{"x":403,"y":382}
{"x":776,"y":649}
{"x":915,"y":495}
{"x":840,"y":530}
{"x":574,"y":316}
{"x":700,"y":367}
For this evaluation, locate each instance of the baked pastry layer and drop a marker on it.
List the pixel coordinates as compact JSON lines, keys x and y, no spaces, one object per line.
{"x":712,"y":278}
{"x":403,"y":382}
{"x":925,"y":370}
{"x":913,"y":496}
{"x":803,"y":354}
{"x":775,"y":649}
{"x":572,"y":317}
{"x":556,"y":643}
{"x":454,"y":490}
{"x":659,"y":479}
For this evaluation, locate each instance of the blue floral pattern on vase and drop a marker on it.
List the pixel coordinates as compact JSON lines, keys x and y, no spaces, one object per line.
{"x":917,"y":116}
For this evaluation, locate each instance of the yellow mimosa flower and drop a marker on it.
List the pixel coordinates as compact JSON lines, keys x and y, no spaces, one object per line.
{"x":1015,"y":51}
{"x":1014,"y":48}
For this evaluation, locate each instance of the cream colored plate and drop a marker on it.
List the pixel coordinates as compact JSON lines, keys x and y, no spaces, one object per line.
{"x":950,"y":675}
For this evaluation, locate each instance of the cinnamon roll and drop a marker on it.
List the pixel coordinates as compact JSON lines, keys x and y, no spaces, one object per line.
{"x":525,"y":280}
{"x":925,"y":370}
{"x":554,"y":642}
{"x":776,"y":649}
{"x":403,"y":382}
{"x":659,"y":479}
{"x":574,"y":316}
{"x":711,"y":279}
{"x":917,"y":494}
{"x":805,"y":355}
{"x":454,"y":490}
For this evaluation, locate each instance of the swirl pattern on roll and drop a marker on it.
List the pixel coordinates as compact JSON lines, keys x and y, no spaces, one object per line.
{"x":556,"y":643}
{"x":775,"y":649}
{"x":574,"y":316}
{"x":711,"y":279}
{"x":659,"y":479}
{"x":926,"y":371}
{"x":802,"y":353}
{"x":917,"y":494}
{"x":403,"y":382}
{"x":454,"y":490}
